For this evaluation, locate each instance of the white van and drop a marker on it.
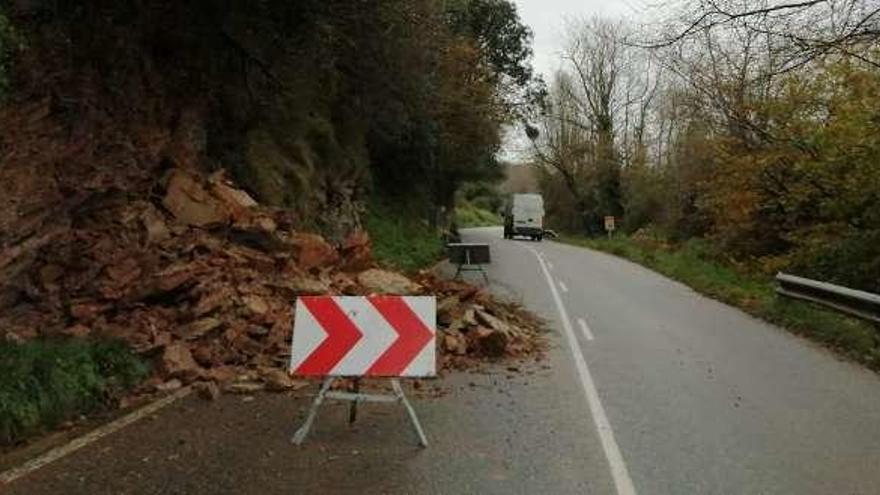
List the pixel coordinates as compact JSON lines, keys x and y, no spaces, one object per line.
{"x":525,"y":216}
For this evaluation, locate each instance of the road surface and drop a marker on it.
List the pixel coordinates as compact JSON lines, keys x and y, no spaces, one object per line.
{"x":649,"y":388}
{"x":702,"y":398}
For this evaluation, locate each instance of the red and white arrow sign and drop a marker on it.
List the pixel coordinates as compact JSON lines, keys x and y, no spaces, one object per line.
{"x":364,"y":336}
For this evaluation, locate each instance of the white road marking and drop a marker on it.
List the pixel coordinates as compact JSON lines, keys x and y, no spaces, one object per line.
{"x":57,"y":453}
{"x":563,"y":286}
{"x":622,"y":482}
{"x":585,"y":328}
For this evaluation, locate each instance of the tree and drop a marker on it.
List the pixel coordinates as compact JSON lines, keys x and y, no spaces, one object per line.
{"x":800,"y":31}
{"x":580,"y":124}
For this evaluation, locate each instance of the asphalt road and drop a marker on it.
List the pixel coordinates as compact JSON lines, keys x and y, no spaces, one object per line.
{"x":700,"y":397}
{"x":663,"y":392}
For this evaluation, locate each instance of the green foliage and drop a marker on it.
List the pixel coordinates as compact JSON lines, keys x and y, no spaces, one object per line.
{"x":471,"y":215}
{"x":705,"y":268}
{"x":401,"y":239}
{"x":484,"y":195}
{"x":10,"y":42}
{"x":44,"y":383}
{"x":504,"y":40}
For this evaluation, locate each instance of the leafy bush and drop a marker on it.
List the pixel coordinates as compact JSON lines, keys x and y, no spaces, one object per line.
{"x":400,"y":238}
{"x":469,"y":215}
{"x":44,"y":383}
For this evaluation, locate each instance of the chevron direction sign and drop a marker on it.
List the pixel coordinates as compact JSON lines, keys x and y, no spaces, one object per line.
{"x":380,"y":336}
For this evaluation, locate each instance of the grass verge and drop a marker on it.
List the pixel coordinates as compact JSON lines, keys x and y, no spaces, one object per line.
{"x":401,"y":240}
{"x":696,"y":264}
{"x":44,"y":383}
{"x":469,"y":215}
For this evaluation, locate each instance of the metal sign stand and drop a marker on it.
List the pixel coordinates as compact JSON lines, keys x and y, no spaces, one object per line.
{"x":356,"y":397}
{"x":462,"y":267}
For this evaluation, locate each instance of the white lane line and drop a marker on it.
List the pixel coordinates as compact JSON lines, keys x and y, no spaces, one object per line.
{"x":91,"y":437}
{"x":563,"y":286}
{"x":585,"y":328}
{"x":622,"y":482}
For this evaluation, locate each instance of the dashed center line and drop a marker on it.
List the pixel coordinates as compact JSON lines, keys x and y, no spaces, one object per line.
{"x":585,"y":329}
{"x":619,"y":472}
{"x":562,"y":286}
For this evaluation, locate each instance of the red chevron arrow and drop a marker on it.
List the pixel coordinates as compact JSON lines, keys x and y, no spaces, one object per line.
{"x":342,"y":335}
{"x":412,"y":336}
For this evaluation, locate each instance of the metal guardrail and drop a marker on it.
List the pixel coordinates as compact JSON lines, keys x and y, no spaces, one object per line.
{"x":855,"y":302}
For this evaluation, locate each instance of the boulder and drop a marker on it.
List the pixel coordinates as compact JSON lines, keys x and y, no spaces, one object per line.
{"x":191,"y":204}
{"x":198,"y":328}
{"x":255,"y":304}
{"x":384,"y":282}
{"x":491,"y":343}
{"x":208,"y":390}
{"x":313,"y":251}
{"x":357,"y":252}
{"x":278,"y":380}
{"x":176,"y":361}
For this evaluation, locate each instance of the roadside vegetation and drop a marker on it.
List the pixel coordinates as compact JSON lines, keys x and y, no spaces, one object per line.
{"x":730,"y":142}
{"x":45,"y":383}
{"x":401,"y":239}
{"x":756,"y":130}
{"x":469,"y":215}
{"x":710,"y":271}
{"x":478,"y":203}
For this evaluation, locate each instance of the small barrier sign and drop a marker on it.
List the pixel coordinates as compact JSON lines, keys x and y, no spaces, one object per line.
{"x":375,"y":336}
{"x":390,"y":336}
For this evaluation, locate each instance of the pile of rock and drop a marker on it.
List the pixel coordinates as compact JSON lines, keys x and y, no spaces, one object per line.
{"x":202,"y":280}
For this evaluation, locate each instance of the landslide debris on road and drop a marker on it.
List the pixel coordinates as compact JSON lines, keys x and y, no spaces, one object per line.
{"x":200,"y":279}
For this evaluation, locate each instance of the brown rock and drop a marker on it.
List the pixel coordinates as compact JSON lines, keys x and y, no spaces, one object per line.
{"x":357,"y":252}
{"x":154,"y":224}
{"x":384,"y":282}
{"x":77,"y":331}
{"x":191,"y":204}
{"x":449,"y":310}
{"x":176,"y":361}
{"x":266,"y":224}
{"x":208,"y":390}
{"x":198,"y":328}
{"x":238,"y":202}
{"x":256,"y":304}
{"x":278,"y":380}
{"x":214,"y":300}
{"x":492,"y":322}
{"x":222,"y":374}
{"x":301,"y":286}
{"x":87,"y":311}
{"x":493,"y":344}
{"x":175,"y":276}
{"x":313,"y":251}
{"x":244,"y":387}
{"x":455,"y":343}
{"x":169,"y":386}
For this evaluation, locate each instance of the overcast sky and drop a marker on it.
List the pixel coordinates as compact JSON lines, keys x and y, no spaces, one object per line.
{"x":547,"y":19}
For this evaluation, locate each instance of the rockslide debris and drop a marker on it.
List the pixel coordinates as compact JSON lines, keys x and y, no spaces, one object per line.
{"x":201,"y":279}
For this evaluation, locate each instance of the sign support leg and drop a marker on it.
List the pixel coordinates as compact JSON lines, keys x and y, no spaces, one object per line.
{"x":485,"y":275}
{"x":353,"y":409}
{"x":303,"y":431}
{"x":398,"y":391}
